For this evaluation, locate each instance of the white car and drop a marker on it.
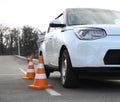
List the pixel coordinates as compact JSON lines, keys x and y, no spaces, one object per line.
{"x":83,"y":43}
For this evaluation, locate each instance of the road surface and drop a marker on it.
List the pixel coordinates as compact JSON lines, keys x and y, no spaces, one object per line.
{"x":14,"y":89}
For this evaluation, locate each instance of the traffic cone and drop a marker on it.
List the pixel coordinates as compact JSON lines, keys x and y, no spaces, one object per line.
{"x":30,"y":71}
{"x":40,"y":81}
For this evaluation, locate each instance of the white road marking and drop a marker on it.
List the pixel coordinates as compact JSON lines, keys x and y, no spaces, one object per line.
{"x":22,"y":70}
{"x":50,"y":91}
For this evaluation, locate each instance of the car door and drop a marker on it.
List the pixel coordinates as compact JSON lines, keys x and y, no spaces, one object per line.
{"x":54,"y":47}
{"x":48,"y":45}
{"x":55,"y":41}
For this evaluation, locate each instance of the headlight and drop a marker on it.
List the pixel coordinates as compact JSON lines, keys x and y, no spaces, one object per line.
{"x":90,"y":33}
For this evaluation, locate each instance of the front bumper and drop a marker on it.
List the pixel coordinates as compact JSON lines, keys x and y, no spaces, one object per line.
{"x":92,"y":53}
{"x":110,"y":73}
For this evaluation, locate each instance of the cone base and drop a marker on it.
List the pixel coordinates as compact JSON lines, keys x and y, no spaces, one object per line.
{"x":27,"y":78}
{"x":40,"y":87}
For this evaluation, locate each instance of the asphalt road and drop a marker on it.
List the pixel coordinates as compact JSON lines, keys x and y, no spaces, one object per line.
{"x":14,"y":89}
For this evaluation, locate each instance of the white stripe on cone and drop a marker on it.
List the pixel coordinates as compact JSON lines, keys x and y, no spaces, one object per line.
{"x":40,"y":76}
{"x":40,"y":66}
{"x":30,"y":70}
{"x":30,"y":63}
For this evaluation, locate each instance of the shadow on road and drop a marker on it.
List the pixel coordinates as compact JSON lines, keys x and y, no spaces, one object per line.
{"x":88,"y":84}
{"x":99,"y":85}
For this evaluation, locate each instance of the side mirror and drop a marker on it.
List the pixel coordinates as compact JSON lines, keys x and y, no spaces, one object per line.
{"x":56,"y":23}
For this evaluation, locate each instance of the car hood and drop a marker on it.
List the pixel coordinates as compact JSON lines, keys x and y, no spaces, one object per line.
{"x":110,"y":29}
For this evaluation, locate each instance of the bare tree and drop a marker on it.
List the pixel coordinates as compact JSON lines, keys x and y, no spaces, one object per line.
{"x":29,"y":38}
{"x":13,"y":44}
{"x":10,"y":42}
{"x":3,"y":30}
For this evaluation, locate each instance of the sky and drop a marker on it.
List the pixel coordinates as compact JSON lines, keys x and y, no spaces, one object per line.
{"x":38,"y":13}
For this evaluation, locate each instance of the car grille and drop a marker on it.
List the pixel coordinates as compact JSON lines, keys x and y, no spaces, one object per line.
{"x":112,"y":57}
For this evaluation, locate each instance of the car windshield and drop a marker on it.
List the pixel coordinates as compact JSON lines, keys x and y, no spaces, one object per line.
{"x":92,"y":16}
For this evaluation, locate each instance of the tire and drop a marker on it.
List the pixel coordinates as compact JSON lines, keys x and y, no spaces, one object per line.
{"x":47,"y":72}
{"x":68,"y":77}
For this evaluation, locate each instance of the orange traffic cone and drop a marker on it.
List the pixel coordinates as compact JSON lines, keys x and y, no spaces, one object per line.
{"x":30,"y":71}
{"x":40,"y":81}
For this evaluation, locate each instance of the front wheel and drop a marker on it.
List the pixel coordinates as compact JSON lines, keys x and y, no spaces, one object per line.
{"x":68,"y":77}
{"x":47,"y":71}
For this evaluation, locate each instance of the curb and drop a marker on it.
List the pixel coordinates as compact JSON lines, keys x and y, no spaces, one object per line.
{"x":35,"y":61}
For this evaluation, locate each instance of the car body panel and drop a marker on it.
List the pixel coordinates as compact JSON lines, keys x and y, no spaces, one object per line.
{"x":83,"y":53}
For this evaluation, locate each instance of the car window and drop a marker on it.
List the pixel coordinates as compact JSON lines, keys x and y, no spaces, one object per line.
{"x":61,"y":18}
{"x":92,"y":16}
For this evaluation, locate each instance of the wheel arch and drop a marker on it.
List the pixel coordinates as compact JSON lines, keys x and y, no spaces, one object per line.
{"x":61,"y":51}
{"x":40,"y":53}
